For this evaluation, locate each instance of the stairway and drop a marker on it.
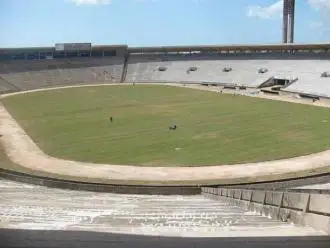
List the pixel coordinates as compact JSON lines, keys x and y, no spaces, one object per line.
{"x":24,"y":206}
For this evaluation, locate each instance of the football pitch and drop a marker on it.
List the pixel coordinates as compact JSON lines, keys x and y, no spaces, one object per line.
{"x":212,"y":128}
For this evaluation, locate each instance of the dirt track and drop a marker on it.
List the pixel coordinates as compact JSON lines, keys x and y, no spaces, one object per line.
{"x":23,"y":151}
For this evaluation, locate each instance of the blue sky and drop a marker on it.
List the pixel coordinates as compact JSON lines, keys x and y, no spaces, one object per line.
{"x":157,"y":22}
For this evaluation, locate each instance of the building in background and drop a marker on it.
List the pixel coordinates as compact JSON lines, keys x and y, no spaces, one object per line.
{"x":288,"y":21}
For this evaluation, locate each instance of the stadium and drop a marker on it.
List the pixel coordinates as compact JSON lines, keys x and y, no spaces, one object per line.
{"x":146,"y":90}
{"x":240,"y":128}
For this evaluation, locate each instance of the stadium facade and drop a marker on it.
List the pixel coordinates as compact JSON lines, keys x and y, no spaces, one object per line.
{"x":80,"y":50}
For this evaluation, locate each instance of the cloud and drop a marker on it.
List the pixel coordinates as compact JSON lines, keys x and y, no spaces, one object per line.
{"x":266,"y":12}
{"x":275,"y":10}
{"x":91,"y":2}
{"x":323,"y":8}
{"x":320,"y":4}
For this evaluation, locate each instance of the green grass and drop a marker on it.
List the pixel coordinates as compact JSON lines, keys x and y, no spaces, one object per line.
{"x":213,"y":128}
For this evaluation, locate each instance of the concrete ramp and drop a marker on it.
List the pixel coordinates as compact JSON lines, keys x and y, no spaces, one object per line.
{"x":25,"y":206}
{"x":251,"y":79}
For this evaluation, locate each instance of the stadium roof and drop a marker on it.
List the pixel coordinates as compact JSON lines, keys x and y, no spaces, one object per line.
{"x":251,"y":47}
{"x":46,"y":49}
{"x":230,"y":47}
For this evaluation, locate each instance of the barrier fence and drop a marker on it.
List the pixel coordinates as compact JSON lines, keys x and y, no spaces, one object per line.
{"x":300,"y":208}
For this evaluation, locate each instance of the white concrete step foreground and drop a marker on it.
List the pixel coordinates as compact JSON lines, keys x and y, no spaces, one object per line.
{"x":25,"y":206}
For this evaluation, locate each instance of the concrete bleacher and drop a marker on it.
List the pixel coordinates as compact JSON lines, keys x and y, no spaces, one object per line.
{"x":142,"y":69}
{"x":244,"y":70}
{"x":27,"y":75}
{"x":308,"y":74}
{"x":161,"y":215}
{"x":311,"y":84}
{"x":5,"y":86}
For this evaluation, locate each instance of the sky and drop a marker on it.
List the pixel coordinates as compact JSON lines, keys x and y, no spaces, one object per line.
{"x":25,"y":23}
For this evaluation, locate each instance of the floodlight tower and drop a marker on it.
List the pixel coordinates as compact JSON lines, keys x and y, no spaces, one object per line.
{"x":288,"y":21}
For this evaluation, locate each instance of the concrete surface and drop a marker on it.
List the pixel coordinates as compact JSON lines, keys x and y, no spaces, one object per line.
{"x":27,"y":75}
{"x":315,"y":186}
{"x":98,"y":187}
{"x":320,"y":182}
{"x":300,"y":208}
{"x":244,"y":70}
{"x":320,"y":204}
{"x":30,"y":207}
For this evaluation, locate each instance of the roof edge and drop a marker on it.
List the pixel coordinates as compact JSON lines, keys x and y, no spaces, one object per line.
{"x":190,"y":47}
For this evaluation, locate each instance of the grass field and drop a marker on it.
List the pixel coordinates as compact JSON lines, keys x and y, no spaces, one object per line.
{"x":212,"y":128}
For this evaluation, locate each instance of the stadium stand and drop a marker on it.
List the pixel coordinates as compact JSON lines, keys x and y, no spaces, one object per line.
{"x":27,"y":75}
{"x":244,"y":70}
{"x":7,"y":87}
{"x":302,"y":70}
{"x":311,"y":84}
{"x":309,"y":77}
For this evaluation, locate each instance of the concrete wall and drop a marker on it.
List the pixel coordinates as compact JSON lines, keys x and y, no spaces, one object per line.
{"x":300,"y":208}
{"x":98,"y":187}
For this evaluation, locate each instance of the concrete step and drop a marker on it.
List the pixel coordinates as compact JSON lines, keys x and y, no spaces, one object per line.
{"x":36,"y":207}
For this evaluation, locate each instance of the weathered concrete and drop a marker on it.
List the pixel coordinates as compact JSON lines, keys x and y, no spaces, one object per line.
{"x":315,"y":183}
{"x":273,"y":198}
{"x":300,"y":208}
{"x":320,"y":188}
{"x":317,"y":221}
{"x":99,"y":187}
{"x":295,"y":200}
{"x":246,"y":195}
{"x":315,"y":186}
{"x":319,"y":204}
{"x":24,"y":206}
{"x":258,"y":196}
